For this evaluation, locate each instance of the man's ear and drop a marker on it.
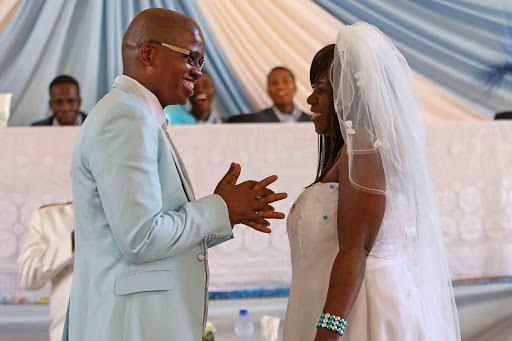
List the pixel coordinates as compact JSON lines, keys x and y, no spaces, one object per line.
{"x":147,"y":54}
{"x":79,"y":102}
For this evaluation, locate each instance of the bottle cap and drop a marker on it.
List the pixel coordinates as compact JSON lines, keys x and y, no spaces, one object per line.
{"x":243,"y":312}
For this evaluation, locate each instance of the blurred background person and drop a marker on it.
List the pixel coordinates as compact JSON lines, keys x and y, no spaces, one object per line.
{"x":507,"y":115}
{"x":281,"y":88}
{"x":177,"y":114}
{"x":200,"y":109}
{"x":64,"y":103}
{"x":201,"y":101}
{"x":48,"y":255}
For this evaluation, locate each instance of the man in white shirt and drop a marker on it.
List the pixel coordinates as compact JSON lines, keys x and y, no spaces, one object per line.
{"x":48,"y":256}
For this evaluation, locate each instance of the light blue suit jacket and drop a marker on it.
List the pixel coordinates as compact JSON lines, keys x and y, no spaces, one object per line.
{"x":141,"y":269}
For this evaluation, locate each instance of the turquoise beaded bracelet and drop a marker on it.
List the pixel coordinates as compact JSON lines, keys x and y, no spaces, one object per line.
{"x":332,"y":322}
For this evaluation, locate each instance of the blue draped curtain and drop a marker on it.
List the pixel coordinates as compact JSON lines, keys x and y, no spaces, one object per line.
{"x":451,"y":42}
{"x":83,"y":39}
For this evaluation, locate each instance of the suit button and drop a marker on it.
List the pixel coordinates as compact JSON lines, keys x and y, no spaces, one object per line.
{"x":200,"y":257}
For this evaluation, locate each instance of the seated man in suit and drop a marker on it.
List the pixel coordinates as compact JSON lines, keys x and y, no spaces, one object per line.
{"x":507,"y":115}
{"x":201,"y":101}
{"x":281,"y":89}
{"x":64,"y":103}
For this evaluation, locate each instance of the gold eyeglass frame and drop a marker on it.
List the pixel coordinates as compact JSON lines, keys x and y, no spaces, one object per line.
{"x":188,"y":53}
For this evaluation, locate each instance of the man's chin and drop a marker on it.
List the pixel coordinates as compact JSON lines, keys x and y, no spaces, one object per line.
{"x":67,"y":122}
{"x":283,"y":102}
{"x":183,"y":101}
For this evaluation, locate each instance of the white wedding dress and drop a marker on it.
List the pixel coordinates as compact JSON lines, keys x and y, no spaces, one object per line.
{"x":388,"y":306}
{"x":406,"y":293}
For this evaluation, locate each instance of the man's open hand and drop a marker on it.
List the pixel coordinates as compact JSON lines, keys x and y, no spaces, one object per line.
{"x":248,"y":202}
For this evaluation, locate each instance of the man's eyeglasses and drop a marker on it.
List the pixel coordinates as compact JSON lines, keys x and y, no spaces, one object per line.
{"x":193,"y":58}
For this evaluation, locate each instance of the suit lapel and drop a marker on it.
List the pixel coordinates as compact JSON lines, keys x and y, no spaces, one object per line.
{"x":185,"y":180}
{"x":150,"y":102}
{"x":304,"y":117}
{"x":270,"y":115}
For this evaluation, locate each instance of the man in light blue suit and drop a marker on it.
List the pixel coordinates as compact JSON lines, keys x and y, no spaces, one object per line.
{"x":141,"y":270}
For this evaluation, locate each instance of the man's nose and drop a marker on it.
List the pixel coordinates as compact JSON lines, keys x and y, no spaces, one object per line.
{"x":197,"y":72}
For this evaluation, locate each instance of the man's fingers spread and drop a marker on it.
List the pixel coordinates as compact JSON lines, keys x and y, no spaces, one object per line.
{"x":265,"y":182}
{"x":255,"y":226}
{"x":261,"y":206}
{"x":232,"y":175}
{"x":273,"y":197}
{"x":259,"y":227}
{"x":262,"y":192}
{"x":258,"y":220}
{"x":249,"y":183}
{"x":271,"y":215}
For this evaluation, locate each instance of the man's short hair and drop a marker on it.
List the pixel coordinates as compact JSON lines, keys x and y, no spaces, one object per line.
{"x":63,"y":79}
{"x":280,"y":68}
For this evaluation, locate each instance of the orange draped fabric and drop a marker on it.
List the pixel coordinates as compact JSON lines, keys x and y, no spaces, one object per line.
{"x":7,"y":8}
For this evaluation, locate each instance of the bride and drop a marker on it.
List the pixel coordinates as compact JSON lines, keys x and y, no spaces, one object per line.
{"x":368,"y":260}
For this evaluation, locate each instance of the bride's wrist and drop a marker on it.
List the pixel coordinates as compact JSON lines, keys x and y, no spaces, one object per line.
{"x":331,"y":322}
{"x":324,"y":334}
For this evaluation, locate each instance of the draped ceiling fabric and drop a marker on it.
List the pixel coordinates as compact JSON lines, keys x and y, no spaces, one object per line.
{"x":7,"y":8}
{"x":258,"y":35}
{"x":451,"y":42}
{"x":244,"y":40}
{"x":83,"y":38}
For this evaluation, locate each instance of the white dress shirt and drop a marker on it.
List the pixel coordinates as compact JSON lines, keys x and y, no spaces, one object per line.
{"x":78,"y":121}
{"x":288,"y":118}
{"x":47,"y":256}
{"x":213,"y":118}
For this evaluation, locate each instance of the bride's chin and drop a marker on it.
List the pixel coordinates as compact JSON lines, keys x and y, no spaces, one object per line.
{"x":320,"y":131}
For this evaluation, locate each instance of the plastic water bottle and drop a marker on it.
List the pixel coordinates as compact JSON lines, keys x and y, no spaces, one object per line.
{"x":244,"y":328}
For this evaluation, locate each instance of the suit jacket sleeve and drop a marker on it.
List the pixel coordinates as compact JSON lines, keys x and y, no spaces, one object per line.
{"x":42,"y":256}
{"x":124,"y":162}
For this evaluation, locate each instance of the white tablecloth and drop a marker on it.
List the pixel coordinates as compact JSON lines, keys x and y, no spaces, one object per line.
{"x":470,"y":165}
